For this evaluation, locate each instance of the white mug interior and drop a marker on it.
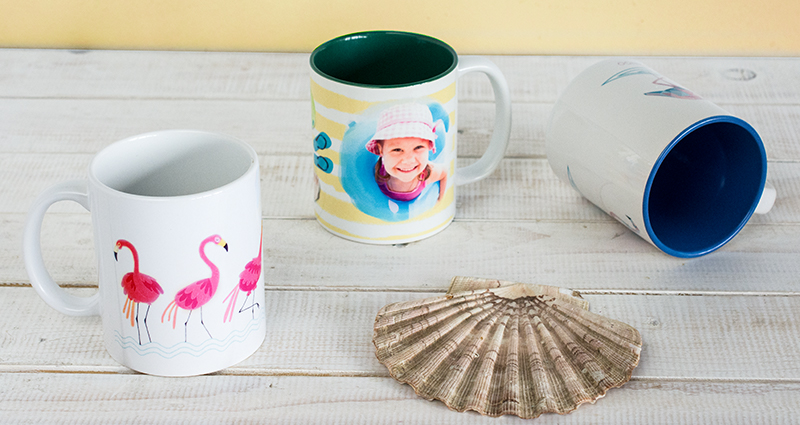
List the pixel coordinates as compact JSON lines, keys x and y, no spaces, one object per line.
{"x":172,"y":163}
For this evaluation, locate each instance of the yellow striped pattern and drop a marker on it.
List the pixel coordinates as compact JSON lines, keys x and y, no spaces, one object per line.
{"x":331,"y":128}
{"x":348,"y":105}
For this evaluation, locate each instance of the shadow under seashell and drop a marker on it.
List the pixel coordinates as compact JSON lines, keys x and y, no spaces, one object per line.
{"x":503,"y":348}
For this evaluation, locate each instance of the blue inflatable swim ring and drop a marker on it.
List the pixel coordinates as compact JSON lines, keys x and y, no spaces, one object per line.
{"x":358,"y":170}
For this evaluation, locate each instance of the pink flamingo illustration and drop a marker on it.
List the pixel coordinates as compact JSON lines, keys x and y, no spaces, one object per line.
{"x":248,"y":279}
{"x":139,"y":288}
{"x":197,"y":294}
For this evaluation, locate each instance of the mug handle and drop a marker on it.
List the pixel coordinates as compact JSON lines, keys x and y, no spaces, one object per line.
{"x":767,"y":199}
{"x":41,"y":280}
{"x":502,"y":121}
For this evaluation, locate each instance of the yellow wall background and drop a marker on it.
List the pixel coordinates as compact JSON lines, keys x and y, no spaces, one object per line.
{"x":646,"y":27}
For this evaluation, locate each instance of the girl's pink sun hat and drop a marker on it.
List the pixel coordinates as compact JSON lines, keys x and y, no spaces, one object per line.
{"x":405,"y":120}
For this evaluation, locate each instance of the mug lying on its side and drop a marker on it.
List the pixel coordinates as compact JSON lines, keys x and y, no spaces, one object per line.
{"x":674,"y":168}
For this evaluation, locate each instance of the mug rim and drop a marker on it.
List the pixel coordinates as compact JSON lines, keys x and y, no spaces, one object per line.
{"x":95,"y":181}
{"x":364,"y":34}
{"x":729,"y":119}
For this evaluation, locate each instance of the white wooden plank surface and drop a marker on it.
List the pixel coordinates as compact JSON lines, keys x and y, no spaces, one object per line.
{"x":588,"y":256}
{"x":520,"y":189}
{"x":280,"y":127}
{"x":63,"y":398}
{"x":329,"y":333}
{"x":720,"y":332}
{"x":218,"y":75}
{"x":531,"y":224}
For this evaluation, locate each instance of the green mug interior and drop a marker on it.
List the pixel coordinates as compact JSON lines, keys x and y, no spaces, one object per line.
{"x":383,"y":59}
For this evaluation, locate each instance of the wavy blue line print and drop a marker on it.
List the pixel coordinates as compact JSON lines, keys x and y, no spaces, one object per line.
{"x":154,"y":348}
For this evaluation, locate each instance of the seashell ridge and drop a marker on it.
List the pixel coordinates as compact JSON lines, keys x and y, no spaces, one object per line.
{"x":505,"y":348}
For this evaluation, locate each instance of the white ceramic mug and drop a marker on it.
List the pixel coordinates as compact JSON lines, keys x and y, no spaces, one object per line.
{"x":176,"y":217}
{"x":384,"y":113}
{"x":677,"y":170}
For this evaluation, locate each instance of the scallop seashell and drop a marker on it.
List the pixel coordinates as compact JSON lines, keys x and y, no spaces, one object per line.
{"x":503,"y":348}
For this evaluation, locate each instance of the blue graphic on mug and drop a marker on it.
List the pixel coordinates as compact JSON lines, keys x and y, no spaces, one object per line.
{"x":388,"y":160}
{"x":636,"y":70}
{"x":323,"y":163}
{"x":322,"y":141}
{"x":673,"y":90}
{"x":572,"y":181}
{"x":632,"y":226}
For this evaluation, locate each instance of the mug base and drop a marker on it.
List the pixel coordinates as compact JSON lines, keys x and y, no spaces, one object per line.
{"x":385,"y":240}
{"x":183,"y":360}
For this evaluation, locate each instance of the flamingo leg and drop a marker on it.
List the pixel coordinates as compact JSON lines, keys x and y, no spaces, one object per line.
{"x":186,"y":327}
{"x":145,"y":323}
{"x":252,"y":306}
{"x":204,"y":325}
{"x":138,"y":332}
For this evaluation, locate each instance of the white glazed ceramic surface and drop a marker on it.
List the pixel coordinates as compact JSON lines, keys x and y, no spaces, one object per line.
{"x":613,"y":125}
{"x":188,"y":203}
{"x":348,"y":201}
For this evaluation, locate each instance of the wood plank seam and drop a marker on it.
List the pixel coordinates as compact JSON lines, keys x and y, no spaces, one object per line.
{"x":265,"y":372}
{"x":381,"y":289}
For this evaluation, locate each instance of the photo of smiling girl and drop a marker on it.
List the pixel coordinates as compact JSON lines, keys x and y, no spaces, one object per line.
{"x":405,"y":136}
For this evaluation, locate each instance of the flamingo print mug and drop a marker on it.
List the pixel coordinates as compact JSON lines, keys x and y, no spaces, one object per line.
{"x":176,"y":217}
{"x":384,"y":113}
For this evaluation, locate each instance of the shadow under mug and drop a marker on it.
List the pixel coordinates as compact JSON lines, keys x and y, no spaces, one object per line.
{"x":675,"y":169}
{"x":176,"y":217}
{"x":373,"y":93}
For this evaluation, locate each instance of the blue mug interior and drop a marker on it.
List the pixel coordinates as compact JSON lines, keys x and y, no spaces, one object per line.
{"x":705,"y":186}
